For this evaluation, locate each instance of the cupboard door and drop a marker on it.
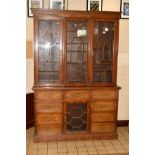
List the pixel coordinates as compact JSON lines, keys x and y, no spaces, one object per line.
{"x":49,"y":51}
{"x":76,"y":117}
{"x":103,"y":45}
{"x":76,"y":57}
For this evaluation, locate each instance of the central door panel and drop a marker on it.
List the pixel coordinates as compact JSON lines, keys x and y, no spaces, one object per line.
{"x":76,"y":117}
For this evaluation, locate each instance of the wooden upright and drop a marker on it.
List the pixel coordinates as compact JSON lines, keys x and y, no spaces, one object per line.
{"x":75,"y":74}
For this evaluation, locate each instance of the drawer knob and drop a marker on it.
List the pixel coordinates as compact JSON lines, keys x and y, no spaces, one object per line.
{"x":76,"y":95}
{"x":104,"y":95}
{"x":102,"y":106}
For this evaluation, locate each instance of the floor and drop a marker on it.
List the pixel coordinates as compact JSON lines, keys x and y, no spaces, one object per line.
{"x":94,"y":147}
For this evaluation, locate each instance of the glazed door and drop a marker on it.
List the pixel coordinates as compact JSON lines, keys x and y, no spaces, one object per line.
{"x":49,"y":52}
{"x":76,"y":52}
{"x":76,"y":117}
{"x":103,"y":52}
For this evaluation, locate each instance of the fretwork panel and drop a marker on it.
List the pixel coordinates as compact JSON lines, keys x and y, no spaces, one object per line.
{"x":76,"y":51}
{"x":103,"y":51}
{"x":49,"y":51}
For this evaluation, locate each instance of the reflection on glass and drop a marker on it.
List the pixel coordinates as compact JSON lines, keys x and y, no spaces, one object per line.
{"x":49,"y":51}
{"x":103,"y":51}
{"x":76,"y":51}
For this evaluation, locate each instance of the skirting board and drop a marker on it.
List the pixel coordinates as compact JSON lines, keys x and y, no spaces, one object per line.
{"x":29,"y":110}
{"x":122,"y":123}
{"x":116,"y":154}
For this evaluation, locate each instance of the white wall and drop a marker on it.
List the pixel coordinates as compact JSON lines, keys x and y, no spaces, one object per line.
{"x":123,"y":69}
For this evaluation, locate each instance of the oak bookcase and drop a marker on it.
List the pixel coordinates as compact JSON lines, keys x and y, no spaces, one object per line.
{"x":75,"y":74}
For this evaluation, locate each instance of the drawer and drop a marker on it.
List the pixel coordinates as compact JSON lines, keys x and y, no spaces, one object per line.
{"x":49,"y":107}
{"x":103,"y":106}
{"x":48,"y":118}
{"x":102,"y":117}
{"x":76,"y":94}
{"x":49,"y":94}
{"x":48,"y":128}
{"x":103,"y":94}
{"x":103,"y":127}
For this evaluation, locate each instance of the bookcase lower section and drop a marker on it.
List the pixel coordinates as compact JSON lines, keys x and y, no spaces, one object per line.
{"x":75,"y":113}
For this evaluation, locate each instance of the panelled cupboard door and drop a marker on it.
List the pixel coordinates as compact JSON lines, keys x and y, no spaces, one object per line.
{"x":76,"y":51}
{"x":49,"y":51}
{"x":103,"y":51}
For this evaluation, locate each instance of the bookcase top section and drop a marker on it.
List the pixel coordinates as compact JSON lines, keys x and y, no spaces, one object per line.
{"x":78,"y":14}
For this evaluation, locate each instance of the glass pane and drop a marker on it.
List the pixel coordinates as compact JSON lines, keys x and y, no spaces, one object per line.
{"x":103,"y":51}
{"x":76,"y":117}
{"x":49,"y":51}
{"x":76,"y":51}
